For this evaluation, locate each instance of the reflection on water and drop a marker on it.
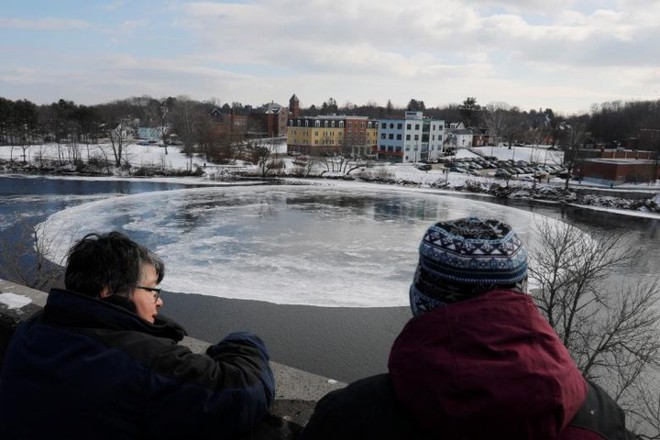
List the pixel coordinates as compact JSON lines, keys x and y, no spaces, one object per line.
{"x":27,"y":201}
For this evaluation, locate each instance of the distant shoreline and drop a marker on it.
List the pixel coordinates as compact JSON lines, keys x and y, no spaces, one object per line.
{"x":628,"y":201}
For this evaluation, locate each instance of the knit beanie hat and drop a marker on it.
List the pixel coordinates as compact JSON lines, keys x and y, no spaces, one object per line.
{"x":463,"y":258}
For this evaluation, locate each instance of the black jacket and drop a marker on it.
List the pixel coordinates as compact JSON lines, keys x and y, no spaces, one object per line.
{"x":369,"y":409}
{"x":85,"y":368}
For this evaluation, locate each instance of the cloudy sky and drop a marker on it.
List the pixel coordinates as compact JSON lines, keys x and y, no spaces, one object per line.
{"x":562,"y":54}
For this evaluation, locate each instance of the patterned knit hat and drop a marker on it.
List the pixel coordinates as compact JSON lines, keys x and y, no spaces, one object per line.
{"x":463,"y":258}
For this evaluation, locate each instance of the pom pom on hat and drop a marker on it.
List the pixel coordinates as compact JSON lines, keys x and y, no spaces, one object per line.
{"x":463,"y":258}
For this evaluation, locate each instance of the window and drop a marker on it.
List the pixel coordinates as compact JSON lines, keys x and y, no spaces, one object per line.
{"x":391,"y":136}
{"x":407,"y":137}
{"x":416,"y":126}
{"x":398,"y":137}
{"x":390,"y":148}
{"x":362,"y":125}
{"x":325,"y":124}
{"x":341,"y":124}
{"x":416,"y":137}
{"x":398,"y":149}
{"x":383,"y":136}
{"x":317,"y":123}
{"x":391,"y":125}
{"x":383,"y":148}
{"x":408,"y":126}
{"x":399,"y":126}
{"x":332,"y":124}
{"x":349,"y":124}
{"x":383,"y":126}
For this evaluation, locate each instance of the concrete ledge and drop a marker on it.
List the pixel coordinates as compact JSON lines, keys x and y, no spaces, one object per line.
{"x":296,"y":391}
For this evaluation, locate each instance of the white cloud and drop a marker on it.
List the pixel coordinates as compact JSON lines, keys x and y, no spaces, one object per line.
{"x":564,"y":54}
{"x":44,"y":24}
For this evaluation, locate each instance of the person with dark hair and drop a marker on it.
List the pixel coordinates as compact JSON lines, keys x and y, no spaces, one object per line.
{"x":100,"y":362}
{"x":476,"y":361}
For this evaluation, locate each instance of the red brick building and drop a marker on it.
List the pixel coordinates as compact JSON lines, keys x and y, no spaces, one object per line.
{"x":618,"y":170}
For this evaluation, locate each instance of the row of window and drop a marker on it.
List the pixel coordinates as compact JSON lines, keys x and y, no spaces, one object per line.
{"x":390,"y":148}
{"x":327,"y":124}
{"x":399,"y":126}
{"x":408,"y":148}
{"x":399,"y":137}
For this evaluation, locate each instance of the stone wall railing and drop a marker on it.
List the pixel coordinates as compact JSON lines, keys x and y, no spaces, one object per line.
{"x":296,"y":391}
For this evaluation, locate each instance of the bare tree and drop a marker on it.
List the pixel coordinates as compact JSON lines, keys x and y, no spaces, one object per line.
{"x":572,"y":136}
{"x":119,"y":137}
{"x":24,"y":259}
{"x":612,"y":331}
{"x":184,"y":118}
{"x":495,"y":117}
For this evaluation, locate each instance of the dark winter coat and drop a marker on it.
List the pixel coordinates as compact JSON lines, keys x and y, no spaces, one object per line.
{"x":85,"y":368}
{"x":486,"y":368}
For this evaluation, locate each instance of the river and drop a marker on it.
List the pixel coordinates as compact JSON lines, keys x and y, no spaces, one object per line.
{"x":319,"y":272}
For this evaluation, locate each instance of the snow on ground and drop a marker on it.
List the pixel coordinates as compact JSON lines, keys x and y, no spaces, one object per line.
{"x":154,"y":155}
{"x":136,"y":154}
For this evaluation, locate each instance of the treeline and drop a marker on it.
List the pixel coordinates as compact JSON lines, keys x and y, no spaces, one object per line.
{"x":23,"y":122}
{"x":609,"y":124}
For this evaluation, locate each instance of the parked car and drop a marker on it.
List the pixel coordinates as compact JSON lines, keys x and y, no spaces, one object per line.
{"x":423,"y":166}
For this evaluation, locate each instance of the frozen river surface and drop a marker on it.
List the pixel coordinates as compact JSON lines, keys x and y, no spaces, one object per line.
{"x":261,"y":258}
{"x":305,"y":245}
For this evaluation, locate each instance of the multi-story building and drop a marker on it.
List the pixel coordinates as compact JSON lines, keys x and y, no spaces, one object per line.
{"x":271,"y":119}
{"x":333,"y":134}
{"x":412,"y":139}
{"x":268,"y":120}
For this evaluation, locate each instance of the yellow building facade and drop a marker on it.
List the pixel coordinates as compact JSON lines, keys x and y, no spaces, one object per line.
{"x":323,"y":135}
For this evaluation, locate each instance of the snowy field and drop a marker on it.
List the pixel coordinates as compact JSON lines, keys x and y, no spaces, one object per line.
{"x":154,"y":155}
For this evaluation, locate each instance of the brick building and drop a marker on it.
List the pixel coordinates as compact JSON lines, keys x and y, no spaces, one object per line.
{"x":332,"y":134}
{"x":613,"y":171}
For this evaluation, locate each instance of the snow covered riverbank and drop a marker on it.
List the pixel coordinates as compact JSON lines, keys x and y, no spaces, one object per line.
{"x":637,"y":199}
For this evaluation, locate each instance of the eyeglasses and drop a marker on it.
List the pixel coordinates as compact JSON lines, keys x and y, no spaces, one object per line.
{"x":155,"y":290}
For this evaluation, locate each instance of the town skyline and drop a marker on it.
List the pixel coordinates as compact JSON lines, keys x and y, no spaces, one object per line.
{"x":565,"y":55}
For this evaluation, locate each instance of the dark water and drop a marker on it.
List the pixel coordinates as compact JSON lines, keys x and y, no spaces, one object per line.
{"x":343,"y":343}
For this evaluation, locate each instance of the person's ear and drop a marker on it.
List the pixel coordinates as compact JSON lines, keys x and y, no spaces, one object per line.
{"x":105,"y":292}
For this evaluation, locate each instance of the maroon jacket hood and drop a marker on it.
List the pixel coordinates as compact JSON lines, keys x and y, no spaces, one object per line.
{"x":489,"y":367}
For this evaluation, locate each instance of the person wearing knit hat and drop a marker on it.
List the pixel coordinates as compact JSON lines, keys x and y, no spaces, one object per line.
{"x":463,"y":258}
{"x":476,"y":361}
